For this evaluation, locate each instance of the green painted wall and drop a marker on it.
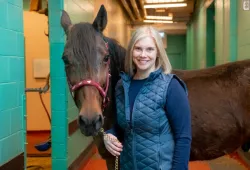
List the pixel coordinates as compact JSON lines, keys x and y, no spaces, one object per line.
{"x":222,"y":33}
{"x":219,"y":32}
{"x":233,"y":47}
{"x":210,"y":36}
{"x":225,"y":37}
{"x":196,"y":40}
{"x":176,"y":51}
{"x":226,"y":32}
{"x":243,"y":33}
{"x":190,"y":47}
{"x":59,"y":114}
{"x":12,"y":81}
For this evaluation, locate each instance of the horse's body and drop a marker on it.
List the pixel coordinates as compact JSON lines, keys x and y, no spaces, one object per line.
{"x":219,"y":96}
{"x":220,"y":107}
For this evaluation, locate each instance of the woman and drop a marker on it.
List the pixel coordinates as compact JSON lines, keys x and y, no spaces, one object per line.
{"x":153,"y":113}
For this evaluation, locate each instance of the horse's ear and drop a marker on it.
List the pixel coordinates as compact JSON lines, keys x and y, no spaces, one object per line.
{"x":65,"y":21}
{"x":101,"y":20}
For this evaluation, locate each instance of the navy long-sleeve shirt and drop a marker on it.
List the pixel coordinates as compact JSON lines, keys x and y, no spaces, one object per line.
{"x":178,"y":113}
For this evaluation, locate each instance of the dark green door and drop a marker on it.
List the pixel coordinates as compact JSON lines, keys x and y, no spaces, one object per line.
{"x":176,"y":51}
{"x":210,"y":58}
{"x":176,"y":60}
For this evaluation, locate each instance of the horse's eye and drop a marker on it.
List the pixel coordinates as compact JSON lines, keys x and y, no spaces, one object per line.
{"x":106,"y":59}
{"x":65,"y":59}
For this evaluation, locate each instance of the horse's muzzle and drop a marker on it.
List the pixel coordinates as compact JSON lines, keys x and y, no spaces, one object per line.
{"x":90,"y":127}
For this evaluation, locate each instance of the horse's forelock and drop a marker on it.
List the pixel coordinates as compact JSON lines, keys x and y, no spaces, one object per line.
{"x":81,"y":50}
{"x":82,"y":46}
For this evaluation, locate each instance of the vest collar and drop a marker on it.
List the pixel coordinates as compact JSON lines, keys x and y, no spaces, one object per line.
{"x":125,"y":77}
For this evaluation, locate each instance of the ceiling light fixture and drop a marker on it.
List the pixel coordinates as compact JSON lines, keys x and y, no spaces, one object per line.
{"x":162,"y":1}
{"x":157,"y":21}
{"x":160,"y":10}
{"x":160,"y":17}
{"x":172,"y":5}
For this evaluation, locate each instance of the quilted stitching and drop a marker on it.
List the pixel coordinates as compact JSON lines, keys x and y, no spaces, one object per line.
{"x":148,"y":118}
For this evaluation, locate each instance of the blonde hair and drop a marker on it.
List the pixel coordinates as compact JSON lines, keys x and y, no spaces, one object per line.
{"x":162,"y":59}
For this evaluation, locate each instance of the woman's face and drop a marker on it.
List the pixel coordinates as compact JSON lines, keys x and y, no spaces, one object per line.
{"x":145,"y":54}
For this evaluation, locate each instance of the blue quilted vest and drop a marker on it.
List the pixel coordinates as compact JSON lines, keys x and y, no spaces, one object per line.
{"x":148,"y":138}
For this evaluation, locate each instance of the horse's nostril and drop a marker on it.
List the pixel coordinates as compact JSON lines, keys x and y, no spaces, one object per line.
{"x":82,"y":121}
{"x":101,"y":119}
{"x":99,"y":122}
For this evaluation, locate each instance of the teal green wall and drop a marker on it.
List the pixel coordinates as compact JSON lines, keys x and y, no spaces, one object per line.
{"x":243,"y":33}
{"x":226,"y":12}
{"x":59,"y":124}
{"x":12,"y":122}
{"x":176,"y":51}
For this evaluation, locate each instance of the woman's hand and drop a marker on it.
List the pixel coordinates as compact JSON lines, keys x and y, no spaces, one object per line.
{"x":112,"y":144}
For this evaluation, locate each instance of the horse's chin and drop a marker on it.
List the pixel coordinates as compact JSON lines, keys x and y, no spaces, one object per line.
{"x":89,"y":133}
{"x":90,"y":127}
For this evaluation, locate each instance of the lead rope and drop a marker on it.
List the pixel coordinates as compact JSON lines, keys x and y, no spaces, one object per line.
{"x":111,"y":139}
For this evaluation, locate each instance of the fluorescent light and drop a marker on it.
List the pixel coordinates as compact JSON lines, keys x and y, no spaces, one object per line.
{"x":159,"y":10}
{"x":157,"y":21}
{"x":160,"y":17}
{"x":165,"y":5}
{"x":163,"y":1}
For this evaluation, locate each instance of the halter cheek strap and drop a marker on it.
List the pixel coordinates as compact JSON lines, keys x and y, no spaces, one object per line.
{"x":89,"y":82}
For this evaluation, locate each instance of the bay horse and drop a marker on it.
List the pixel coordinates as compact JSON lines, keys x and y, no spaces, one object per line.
{"x":219,"y":96}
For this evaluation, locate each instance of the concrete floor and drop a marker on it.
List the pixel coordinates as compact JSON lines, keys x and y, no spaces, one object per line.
{"x":236,"y":161}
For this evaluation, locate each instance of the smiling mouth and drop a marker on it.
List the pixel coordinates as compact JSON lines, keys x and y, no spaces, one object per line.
{"x":143,"y":61}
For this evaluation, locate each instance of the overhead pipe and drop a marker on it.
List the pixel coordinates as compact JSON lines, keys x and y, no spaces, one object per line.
{"x":125,"y":4}
{"x":136,"y":10}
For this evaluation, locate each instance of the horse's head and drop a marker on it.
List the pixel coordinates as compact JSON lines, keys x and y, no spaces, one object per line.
{"x":86,"y":58}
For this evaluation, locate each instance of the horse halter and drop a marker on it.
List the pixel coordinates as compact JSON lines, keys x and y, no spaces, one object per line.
{"x":88,"y":82}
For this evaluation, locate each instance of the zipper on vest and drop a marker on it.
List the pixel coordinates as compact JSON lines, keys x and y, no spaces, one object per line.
{"x":132,"y":125}
{"x":126,"y":101}
{"x":135,"y":102}
{"x":133,"y":149}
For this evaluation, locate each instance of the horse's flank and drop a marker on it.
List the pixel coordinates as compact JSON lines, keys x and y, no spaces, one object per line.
{"x":219,"y":97}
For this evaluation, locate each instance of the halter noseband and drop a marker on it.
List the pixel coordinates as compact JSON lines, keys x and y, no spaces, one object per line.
{"x":89,"y":82}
